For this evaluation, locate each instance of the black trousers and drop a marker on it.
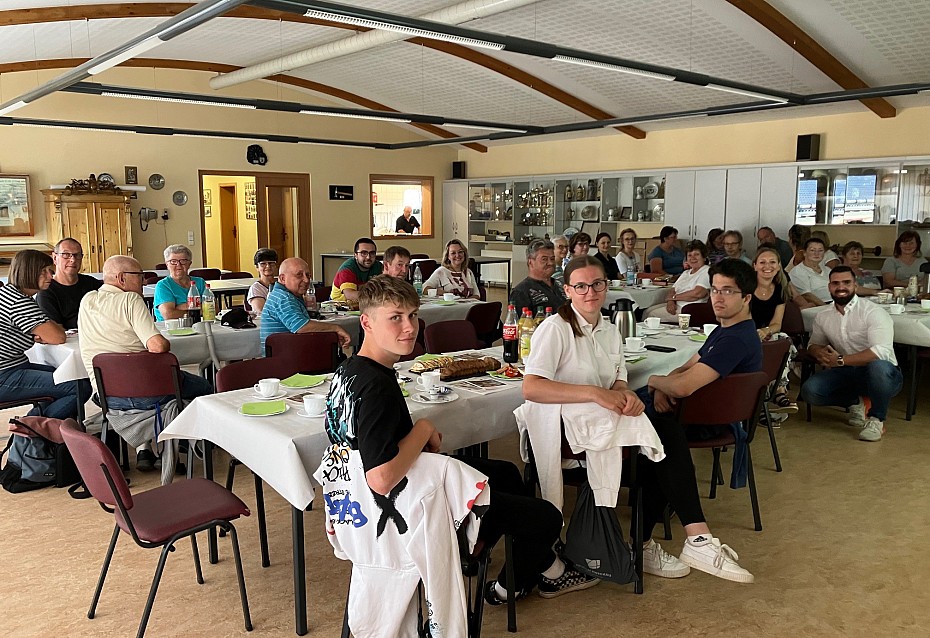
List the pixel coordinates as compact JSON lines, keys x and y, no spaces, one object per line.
{"x":535,"y":524}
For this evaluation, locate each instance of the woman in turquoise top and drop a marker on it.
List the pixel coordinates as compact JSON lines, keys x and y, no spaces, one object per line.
{"x":171,"y":292}
{"x":667,"y":258}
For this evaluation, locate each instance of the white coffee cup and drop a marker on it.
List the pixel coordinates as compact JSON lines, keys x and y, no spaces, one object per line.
{"x":172,"y":324}
{"x":896,"y":308}
{"x":268,"y":387}
{"x":431,"y":292}
{"x":652,"y":322}
{"x":709,"y":328}
{"x":925,"y":304}
{"x":428,"y":380}
{"x":615,"y":283}
{"x":449,"y":297}
{"x":635,"y":344}
{"x":314,"y":404}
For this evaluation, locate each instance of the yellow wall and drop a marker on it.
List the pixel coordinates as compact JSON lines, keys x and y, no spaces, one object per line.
{"x":247,"y":229}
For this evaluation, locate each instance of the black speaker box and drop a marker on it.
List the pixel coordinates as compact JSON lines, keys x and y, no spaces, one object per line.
{"x":808,"y":148}
{"x":459,"y":170}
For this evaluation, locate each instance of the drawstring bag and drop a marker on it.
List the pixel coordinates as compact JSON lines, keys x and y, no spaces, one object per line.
{"x":594,"y":542}
{"x":38,"y":456}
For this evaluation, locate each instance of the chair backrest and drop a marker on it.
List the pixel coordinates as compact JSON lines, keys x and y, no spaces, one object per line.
{"x":209,"y":274}
{"x":486,"y":317}
{"x":427,"y":267}
{"x":792,"y":323}
{"x":421,"y":333}
{"x":149,"y":273}
{"x":137,"y":374}
{"x":774,"y":357}
{"x":323,"y":293}
{"x":418,"y":349}
{"x":161,"y":266}
{"x":450,"y":336}
{"x":240,"y":274}
{"x":308,"y":352}
{"x":701,"y":312}
{"x":91,"y":456}
{"x":419,"y":256}
{"x":925,"y":267}
{"x":245,"y":374}
{"x":724,"y":401}
{"x":153,"y":279}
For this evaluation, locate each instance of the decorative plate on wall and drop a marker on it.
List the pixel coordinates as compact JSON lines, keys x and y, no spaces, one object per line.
{"x":105,"y":180}
{"x":650,"y":190}
{"x":179,"y":198}
{"x":156,"y":181}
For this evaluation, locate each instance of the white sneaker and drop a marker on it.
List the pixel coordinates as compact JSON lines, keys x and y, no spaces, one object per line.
{"x":658,"y":562}
{"x":715,"y":559}
{"x":872,"y":431}
{"x":857,"y":414}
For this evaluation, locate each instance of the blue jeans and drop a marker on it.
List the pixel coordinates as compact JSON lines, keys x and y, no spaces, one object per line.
{"x":29,"y":380}
{"x":192,"y":386}
{"x":879,"y":380}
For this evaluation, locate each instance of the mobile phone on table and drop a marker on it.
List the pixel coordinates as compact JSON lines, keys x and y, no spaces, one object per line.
{"x":657,"y":348}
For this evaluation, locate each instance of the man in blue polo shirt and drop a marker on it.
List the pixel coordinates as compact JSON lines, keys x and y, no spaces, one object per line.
{"x":285,"y":310}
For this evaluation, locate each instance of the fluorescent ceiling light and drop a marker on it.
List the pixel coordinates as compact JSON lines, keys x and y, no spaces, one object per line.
{"x":482,"y":127}
{"x":156,"y":98}
{"x":220,"y":136}
{"x":336,"y":144}
{"x":385,"y":26}
{"x":12,"y":107}
{"x":761,"y":96}
{"x":131,"y":52}
{"x":359,"y":116}
{"x":614,"y":67}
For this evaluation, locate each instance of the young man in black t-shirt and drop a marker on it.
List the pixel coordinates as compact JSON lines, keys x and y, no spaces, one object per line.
{"x":366,"y":410}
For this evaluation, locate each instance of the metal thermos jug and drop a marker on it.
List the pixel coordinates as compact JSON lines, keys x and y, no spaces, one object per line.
{"x":621,"y":315}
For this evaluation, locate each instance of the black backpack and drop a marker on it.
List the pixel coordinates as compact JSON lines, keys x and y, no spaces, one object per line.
{"x":35,"y":461}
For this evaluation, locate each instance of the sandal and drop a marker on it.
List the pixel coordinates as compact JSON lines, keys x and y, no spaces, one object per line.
{"x":783,"y":405}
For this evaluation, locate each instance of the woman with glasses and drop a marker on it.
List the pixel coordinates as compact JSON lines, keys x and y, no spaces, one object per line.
{"x":579,"y":245}
{"x":809,"y":279}
{"x":62,"y":299}
{"x":22,"y":325}
{"x":690,"y":287}
{"x":454,"y":275}
{"x":171,"y":292}
{"x":266,"y":260}
{"x":667,"y":258}
{"x":603,"y":242}
{"x":627,"y":258}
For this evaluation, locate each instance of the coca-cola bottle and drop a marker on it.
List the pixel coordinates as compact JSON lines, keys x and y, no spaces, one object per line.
{"x":511,"y":336}
{"x":193,"y":304}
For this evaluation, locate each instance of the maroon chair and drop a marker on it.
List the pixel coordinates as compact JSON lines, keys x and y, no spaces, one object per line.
{"x":701,"y":312}
{"x":427,"y":267}
{"x":236,"y":376}
{"x":153,"y":279}
{"x":792,"y":324}
{"x":323,"y":293}
{"x":450,"y":336}
{"x":486,"y":318}
{"x":149,"y":273}
{"x":159,"y":517}
{"x":239,"y":274}
{"x":308,"y":352}
{"x":161,"y":266}
{"x":734,"y":399}
{"x":208,"y":274}
{"x":774,"y":360}
{"x":415,"y":256}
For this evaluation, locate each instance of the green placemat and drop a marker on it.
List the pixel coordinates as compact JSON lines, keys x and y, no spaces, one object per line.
{"x":630,"y":362}
{"x":698,"y":337}
{"x":303,"y":380}
{"x":443,"y":302}
{"x":182,"y":332}
{"x":428,"y":357}
{"x":262,"y":408}
{"x":354,"y":313}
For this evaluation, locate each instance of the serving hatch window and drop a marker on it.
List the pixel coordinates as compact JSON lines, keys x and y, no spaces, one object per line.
{"x":390,"y":195}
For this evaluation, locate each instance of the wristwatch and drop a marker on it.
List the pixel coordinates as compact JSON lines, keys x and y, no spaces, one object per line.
{"x":839,"y":361}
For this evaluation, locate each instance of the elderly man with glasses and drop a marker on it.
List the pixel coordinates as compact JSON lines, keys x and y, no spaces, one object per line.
{"x":539,"y":288}
{"x":355,"y":271}
{"x":171,"y":292}
{"x":62,"y":298}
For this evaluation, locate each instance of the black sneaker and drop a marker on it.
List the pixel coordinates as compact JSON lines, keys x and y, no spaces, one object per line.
{"x":569,"y":581}
{"x":145,"y":461}
{"x":492,"y":598}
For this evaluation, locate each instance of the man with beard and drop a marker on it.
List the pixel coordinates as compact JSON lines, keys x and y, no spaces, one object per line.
{"x":539,"y":288}
{"x":854,"y":343}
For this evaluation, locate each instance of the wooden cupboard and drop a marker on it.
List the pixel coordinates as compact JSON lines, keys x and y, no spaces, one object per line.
{"x":100,"y":222}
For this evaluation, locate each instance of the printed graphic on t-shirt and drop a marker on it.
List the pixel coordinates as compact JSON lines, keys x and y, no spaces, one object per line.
{"x":340,"y":410}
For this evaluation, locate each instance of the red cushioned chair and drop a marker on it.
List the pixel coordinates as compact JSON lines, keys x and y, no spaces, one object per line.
{"x":308,"y":352}
{"x":792,"y":324}
{"x":161,"y":266}
{"x":450,"y":336}
{"x":701,"y":312}
{"x":427,"y":268}
{"x":208,"y":274}
{"x":486,"y":318}
{"x":241,"y":274}
{"x":734,"y":399}
{"x":774,"y":360}
{"x":159,"y":517}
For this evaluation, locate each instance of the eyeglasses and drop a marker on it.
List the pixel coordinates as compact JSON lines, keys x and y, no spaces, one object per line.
{"x":133,"y":272}
{"x":727,"y":292}
{"x":67,"y":256}
{"x":599,"y":285}
{"x":267,"y":264}
{"x":179,"y":262}
{"x":367,"y":253}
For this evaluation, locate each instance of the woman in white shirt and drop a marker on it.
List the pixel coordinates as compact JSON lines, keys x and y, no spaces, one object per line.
{"x":692,"y":285}
{"x":266,"y":261}
{"x":627,"y":258}
{"x":453,"y":275}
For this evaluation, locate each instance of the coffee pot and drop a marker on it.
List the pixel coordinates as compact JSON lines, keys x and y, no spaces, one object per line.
{"x":621,"y":315}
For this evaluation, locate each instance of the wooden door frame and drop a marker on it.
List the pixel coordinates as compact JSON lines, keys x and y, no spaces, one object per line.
{"x":304,"y":231}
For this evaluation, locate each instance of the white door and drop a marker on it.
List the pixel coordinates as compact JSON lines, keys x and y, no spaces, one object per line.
{"x":743,"y":186}
{"x":710,"y":201}
{"x":679,"y":201}
{"x":455,"y":211}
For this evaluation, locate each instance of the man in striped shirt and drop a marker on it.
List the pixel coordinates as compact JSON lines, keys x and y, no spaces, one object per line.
{"x":285,"y":310}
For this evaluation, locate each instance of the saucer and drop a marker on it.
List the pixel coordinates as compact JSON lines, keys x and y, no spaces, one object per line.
{"x":442,"y":398}
{"x":300,"y":412}
{"x":631,"y":351}
{"x":258,"y":397}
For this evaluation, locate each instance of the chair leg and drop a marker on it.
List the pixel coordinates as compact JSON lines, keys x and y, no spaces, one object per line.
{"x":103,"y":572}
{"x":714,"y":473}
{"x":243,"y":596}
{"x":911,"y":401}
{"x":477,"y":615}
{"x":638,"y":536}
{"x":757,"y":518}
{"x":262,"y":526}
{"x":511,"y":584}
{"x":196,"y":553}
{"x":667,"y":521}
{"x":771,"y":429}
{"x":150,"y":601}
{"x":230,"y":477}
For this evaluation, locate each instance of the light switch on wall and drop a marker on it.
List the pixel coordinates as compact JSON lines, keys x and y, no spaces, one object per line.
{"x":190,"y":237}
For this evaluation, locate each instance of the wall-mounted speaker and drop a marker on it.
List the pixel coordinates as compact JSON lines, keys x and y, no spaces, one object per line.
{"x":808,"y":148}
{"x":459,"y":170}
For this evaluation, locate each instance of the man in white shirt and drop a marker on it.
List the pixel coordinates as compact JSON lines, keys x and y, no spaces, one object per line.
{"x":809,"y":279}
{"x":854,"y":342}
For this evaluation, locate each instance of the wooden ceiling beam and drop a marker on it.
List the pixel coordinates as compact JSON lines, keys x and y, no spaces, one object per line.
{"x":217,"y":67}
{"x":166,"y":9}
{"x":795,"y":37}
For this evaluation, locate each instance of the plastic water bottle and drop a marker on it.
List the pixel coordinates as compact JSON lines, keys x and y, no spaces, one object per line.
{"x":208,"y":305}
{"x":526,"y":334}
{"x":511,"y":336}
{"x":540,"y":315}
{"x":310,"y":299}
{"x":418,"y":280}
{"x":193,"y":304}
{"x":631,"y":277}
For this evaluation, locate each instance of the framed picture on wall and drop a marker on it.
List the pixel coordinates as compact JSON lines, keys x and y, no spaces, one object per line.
{"x":15,"y":211}
{"x":207,"y":211}
{"x":131,"y":174}
{"x":208,"y":197}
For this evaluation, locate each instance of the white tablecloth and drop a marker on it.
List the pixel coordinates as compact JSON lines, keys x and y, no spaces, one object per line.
{"x":911,"y":328}
{"x":642,"y":297}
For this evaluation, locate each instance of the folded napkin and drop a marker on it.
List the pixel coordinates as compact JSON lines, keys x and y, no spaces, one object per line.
{"x":182,"y":332}
{"x":303,"y":380}
{"x":263,"y":408}
{"x":354,"y":313}
{"x":633,"y":360}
